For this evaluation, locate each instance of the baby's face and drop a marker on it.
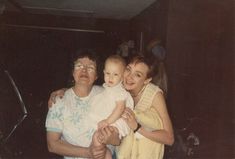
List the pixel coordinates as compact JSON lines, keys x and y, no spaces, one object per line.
{"x":113,"y":73}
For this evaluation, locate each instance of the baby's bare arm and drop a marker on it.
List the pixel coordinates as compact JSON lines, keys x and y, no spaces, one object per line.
{"x":117,"y":112}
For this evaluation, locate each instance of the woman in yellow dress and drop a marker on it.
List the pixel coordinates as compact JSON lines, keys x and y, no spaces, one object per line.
{"x":150,"y":121}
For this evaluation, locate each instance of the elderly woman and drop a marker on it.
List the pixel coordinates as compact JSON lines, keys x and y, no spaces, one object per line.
{"x":68,"y":133}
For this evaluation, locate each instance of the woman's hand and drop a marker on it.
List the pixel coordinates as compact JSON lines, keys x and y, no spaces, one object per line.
{"x":108,"y":135}
{"x":129,"y":117}
{"x":57,"y":93}
{"x":97,"y":152}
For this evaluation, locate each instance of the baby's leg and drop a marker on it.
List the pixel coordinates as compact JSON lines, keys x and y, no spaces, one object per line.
{"x":95,"y":142}
{"x":108,"y":154}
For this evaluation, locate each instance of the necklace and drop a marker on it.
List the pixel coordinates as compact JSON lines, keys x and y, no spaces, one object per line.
{"x":140,"y":92}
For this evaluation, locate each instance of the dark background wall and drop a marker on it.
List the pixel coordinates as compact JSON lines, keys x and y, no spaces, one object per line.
{"x":38,"y":48}
{"x":152,"y":22}
{"x":201,"y":68}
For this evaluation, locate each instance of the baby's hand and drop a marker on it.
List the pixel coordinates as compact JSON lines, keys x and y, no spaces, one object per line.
{"x":102,"y":124}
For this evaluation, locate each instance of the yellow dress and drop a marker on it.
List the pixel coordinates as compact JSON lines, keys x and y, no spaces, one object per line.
{"x":133,"y":147}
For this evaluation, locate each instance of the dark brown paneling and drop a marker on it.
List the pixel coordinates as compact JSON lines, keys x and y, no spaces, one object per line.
{"x":63,"y":21}
{"x":201,"y":67}
{"x":152,"y":22}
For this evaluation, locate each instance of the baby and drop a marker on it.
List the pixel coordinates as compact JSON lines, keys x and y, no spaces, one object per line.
{"x":108,"y":106}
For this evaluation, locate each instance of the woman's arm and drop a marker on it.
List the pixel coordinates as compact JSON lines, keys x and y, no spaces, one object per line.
{"x":165,"y":135}
{"x":58,"y":146}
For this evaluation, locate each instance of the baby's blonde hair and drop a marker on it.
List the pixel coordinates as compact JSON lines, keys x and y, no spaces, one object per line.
{"x":116,"y":59}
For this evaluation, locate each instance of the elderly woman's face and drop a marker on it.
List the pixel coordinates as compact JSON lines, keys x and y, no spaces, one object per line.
{"x":135,"y":77}
{"x":84,"y":71}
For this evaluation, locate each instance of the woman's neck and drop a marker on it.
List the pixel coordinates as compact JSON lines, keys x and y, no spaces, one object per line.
{"x":82,"y":91}
{"x":137,"y":93}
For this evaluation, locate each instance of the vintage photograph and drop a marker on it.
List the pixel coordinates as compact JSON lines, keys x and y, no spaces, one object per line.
{"x":117,"y":79}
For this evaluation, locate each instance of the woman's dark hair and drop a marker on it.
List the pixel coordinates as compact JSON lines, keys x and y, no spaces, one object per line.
{"x":83,"y":53}
{"x":156,"y":71}
{"x":89,"y":53}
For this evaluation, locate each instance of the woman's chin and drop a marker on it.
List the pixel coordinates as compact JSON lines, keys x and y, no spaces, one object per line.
{"x":128,"y":87}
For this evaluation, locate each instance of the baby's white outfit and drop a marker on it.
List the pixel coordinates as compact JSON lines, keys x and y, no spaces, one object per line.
{"x":103,"y":104}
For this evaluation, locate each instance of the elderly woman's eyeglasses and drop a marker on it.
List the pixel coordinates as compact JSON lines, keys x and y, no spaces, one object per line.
{"x":89,"y":68}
